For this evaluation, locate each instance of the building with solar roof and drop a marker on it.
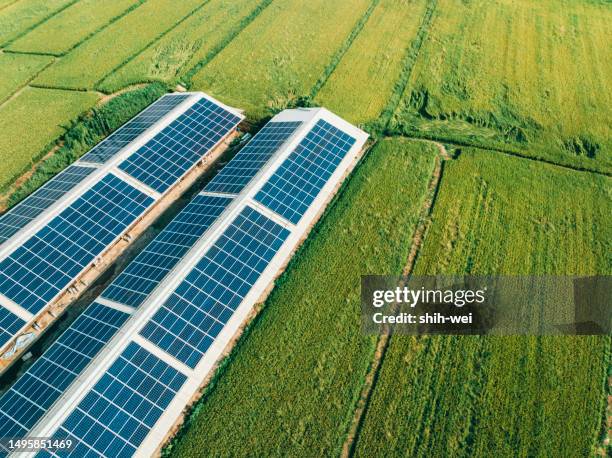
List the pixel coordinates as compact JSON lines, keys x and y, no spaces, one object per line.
{"x":119,"y":378}
{"x":60,"y":237}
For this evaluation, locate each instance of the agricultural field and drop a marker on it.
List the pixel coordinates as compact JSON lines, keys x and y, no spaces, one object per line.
{"x":37,"y":117}
{"x":292,"y":382}
{"x":71,"y":26}
{"x":284,"y":53}
{"x":16,"y":18}
{"x":360,"y":86}
{"x":546,"y":94}
{"x":190,"y":43}
{"x":473,"y":396}
{"x":17,"y":70}
{"x":95,"y":58}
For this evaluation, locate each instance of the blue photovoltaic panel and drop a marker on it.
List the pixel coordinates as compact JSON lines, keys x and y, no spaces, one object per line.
{"x":298,"y":181}
{"x":177,"y":148}
{"x":191,"y":318}
{"x":45,"y":381}
{"x":145,"y":272}
{"x":24,"y":212}
{"x":9,"y":325}
{"x":51,"y":259}
{"x":242,"y":168}
{"x":114,"y":417}
{"x":133,"y":128}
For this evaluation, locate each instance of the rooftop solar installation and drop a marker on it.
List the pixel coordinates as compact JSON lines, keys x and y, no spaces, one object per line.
{"x":116,"y":415}
{"x":9,"y":325}
{"x":298,"y":181}
{"x":45,"y":381}
{"x":133,"y":128}
{"x":145,"y":272}
{"x":52,"y":258}
{"x":177,"y":148}
{"x":198,"y":309}
{"x":239,"y":172}
{"x":27,"y":210}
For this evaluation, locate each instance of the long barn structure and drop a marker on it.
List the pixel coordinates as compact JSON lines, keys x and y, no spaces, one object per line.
{"x":49,"y":241}
{"x":120,"y":377}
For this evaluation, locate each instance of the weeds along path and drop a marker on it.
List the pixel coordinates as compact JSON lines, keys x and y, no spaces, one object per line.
{"x":383,"y":340}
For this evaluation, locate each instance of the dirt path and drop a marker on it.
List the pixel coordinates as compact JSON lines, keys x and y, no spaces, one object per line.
{"x":382,"y":344}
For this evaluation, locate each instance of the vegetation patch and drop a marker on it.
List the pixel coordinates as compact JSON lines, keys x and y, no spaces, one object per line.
{"x":31,"y":122}
{"x":205,"y":32}
{"x":291,"y":384}
{"x":17,"y":18}
{"x":71,"y":26}
{"x":95,"y":58}
{"x":475,"y":82}
{"x":280,"y":55}
{"x":500,"y":396}
{"x":17,"y":70}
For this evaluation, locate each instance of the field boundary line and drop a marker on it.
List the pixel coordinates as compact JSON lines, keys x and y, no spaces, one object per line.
{"x":382,"y":344}
{"x":512,"y":153}
{"x":30,"y":53}
{"x":61,"y":88}
{"x":231,"y":35}
{"x":151,"y":43}
{"x":337,"y":58}
{"x":21,"y":88}
{"x":9,"y":4}
{"x":33,"y":26}
{"x":409,"y":61}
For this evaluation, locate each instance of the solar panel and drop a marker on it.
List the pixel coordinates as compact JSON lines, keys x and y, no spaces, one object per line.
{"x":24,"y":212}
{"x":45,"y":381}
{"x":242,"y":168}
{"x":145,"y":272}
{"x":180,"y":145}
{"x":127,"y":133}
{"x":51,"y":259}
{"x":114,"y":417}
{"x":195,"y":313}
{"x":297,"y":182}
{"x":9,"y":325}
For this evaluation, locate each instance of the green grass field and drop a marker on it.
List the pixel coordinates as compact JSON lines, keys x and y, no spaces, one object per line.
{"x":360,"y":86}
{"x":184,"y":47}
{"x":69,"y":27}
{"x":19,"y":17}
{"x":91,"y":61}
{"x":284,"y":54}
{"x":500,"y":396}
{"x":37,"y":117}
{"x":529,"y":76}
{"x":290,"y":386}
{"x":17,"y":70}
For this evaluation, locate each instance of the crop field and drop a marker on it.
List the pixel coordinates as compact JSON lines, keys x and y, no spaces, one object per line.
{"x":285,"y":50}
{"x":17,"y":70}
{"x":17,"y":18}
{"x":91,"y":61}
{"x":361,"y":84}
{"x":36,"y":117}
{"x":516,"y":74}
{"x":500,"y":396}
{"x":290,"y":386}
{"x":69,"y":27}
{"x":207,"y":30}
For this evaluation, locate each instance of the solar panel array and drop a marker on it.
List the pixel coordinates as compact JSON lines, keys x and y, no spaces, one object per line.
{"x":51,"y":259}
{"x":126,"y":134}
{"x":9,"y":325}
{"x":46,"y":380}
{"x":116,"y":415}
{"x":242,"y":168}
{"x":198,"y":309}
{"x":145,"y":272}
{"x":27,"y":210}
{"x":292,"y":188}
{"x":180,"y":145}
